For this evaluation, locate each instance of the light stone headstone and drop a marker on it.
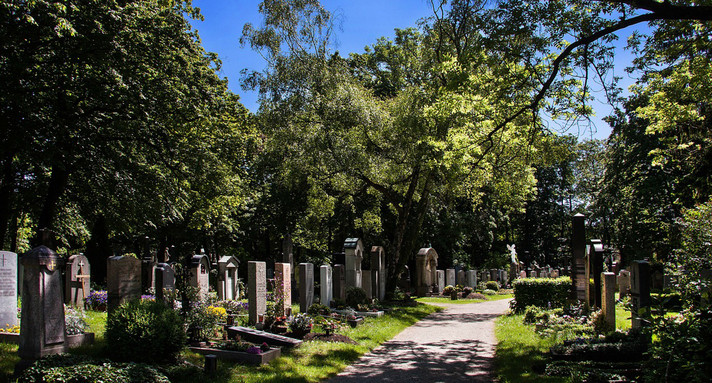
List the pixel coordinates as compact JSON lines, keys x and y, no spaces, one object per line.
{"x":623,"y":283}
{"x":77,"y":280}
{"x":164,"y":280}
{"x":123,"y":280}
{"x":378,"y":272}
{"x":493,"y":274}
{"x":326,"y":292}
{"x":366,"y":283}
{"x":42,"y":327}
{"x":440,"y":276}
{"x":339,"y":282}
{"x":472,"y":278}
{"x":608,"y":304}
{"x":523,"y":274}
{"x":227,"y":278}
{"x":555,"y":273}
{"x":256,"y":290}
{"x":283,"y":287}
{"x":461,"y":278}
{"x":8,"y":288}
{"x":426,"y":263}
{"x":450,"y":277}
{"x":640,"y":292}
{"x":306,"y":286}
{"x":200,"y":274}
{"x":353,"y":253}
{"x":578,"y":247}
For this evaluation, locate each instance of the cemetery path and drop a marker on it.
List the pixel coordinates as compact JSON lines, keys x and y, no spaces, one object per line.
{"x":455,"y":345}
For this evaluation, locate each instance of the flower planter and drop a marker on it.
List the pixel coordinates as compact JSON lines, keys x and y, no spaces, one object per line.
{"x":354,"y":322}
{"x":239,"y":356}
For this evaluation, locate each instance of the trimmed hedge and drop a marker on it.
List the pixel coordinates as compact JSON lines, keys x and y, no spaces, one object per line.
{"x":540,"y":292}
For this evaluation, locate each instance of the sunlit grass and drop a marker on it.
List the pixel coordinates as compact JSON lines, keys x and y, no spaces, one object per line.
{"x":463,"y":301}
{"x":520,"y":351}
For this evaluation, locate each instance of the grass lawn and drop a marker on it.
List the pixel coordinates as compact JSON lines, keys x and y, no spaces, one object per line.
{"x":311,"y":362}
{"x":462,"y":301}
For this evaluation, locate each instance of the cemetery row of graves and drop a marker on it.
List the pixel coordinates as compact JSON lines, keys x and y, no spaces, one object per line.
{"x":186,"y":310}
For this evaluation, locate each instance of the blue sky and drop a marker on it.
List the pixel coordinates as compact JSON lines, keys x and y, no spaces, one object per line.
{"x":363,"y":21}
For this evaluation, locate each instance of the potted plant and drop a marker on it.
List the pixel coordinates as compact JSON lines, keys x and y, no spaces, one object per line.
{"x":300,"y":325}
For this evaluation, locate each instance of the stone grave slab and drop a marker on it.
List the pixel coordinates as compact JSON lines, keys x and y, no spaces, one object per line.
{"x":258,"y":336}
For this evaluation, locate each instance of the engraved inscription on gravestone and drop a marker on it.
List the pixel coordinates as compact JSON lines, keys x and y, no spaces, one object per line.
{"x":8,"y":288}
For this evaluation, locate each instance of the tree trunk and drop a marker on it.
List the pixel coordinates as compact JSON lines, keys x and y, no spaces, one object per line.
{"x":56,"y":187}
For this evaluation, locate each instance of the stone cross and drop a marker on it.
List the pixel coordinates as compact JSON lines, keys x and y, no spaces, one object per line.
{"x":123,"y":280}
{"x":256,"y":290}
{"x":353,"y":251}
{"x":306,"y":286}
{"x":8,"y":289}
{"x":326,"y":292}
{"x":77,"y":280}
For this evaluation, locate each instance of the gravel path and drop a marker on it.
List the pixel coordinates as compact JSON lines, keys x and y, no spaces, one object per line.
{"x":456,"y":345}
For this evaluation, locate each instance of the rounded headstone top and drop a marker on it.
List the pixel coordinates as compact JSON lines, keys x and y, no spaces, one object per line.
{"x":43,"y":256}
{"x":197,"y":259}
{"x":428,"y":252}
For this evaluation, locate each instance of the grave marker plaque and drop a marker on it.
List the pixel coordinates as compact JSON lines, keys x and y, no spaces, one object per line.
{"x":8,"y":288}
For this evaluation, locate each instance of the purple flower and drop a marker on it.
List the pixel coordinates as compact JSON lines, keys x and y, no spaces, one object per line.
{"x":254,"y":350}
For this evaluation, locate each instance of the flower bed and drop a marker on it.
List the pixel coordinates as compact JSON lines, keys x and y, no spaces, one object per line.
{"x":240,"y":352}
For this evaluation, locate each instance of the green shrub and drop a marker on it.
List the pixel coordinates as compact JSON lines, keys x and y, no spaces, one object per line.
{"x":318,"y":309}
{"x":356,"y":296}
{"x":77,"y":369}
{"x":146,"y":331}
{"x":541,"y":292}
{"x":448,"y":290}
{"x":492,"y":285}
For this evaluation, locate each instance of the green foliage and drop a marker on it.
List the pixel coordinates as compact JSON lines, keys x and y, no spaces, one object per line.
{"x":146,"y":331}
{"x":75,"y":320}
{"x":492,"y":285}
{"x":318,"y":309}
{"x":489,"y":292}
{"x":541,"y":292}
{"x":448,"y":290}
{"x":78,"y":369}
{"x":356,"y":296}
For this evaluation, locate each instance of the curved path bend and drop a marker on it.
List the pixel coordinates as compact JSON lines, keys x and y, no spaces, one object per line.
{"x":455,"y":345}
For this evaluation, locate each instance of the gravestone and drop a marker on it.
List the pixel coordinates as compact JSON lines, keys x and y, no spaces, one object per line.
{"x":555,"y":273}
{"x":426,"y":263}
{"x":366,"y":283}
{"x":523,"y":274}
{"x":339,"y":282}
{"x":640,"y":292}
{"x":257,"y":336}
{"x":578,"y":247}
{"x":493,"y":274}
{"x":440,"y":276}
{"x":378,"y":272}
{"x":77,"y":280}
{"x":608,"y":303}
{"x":502,"y":277}
{"x":42,"y":327}
{"x":164,"y":280}
{"x":256,"y":290}
{"x":306,"y":286}
{"x":623,"y":283}
{"x":283,"y":288}
{"x":450,"y":277}
{"x":8,"y":288}
{"x":200,"y":274}
{"x":595,"y":256}
{"x":472,"y":278}
{"x":123,"y":280}
{"x":326,"y":292}
{"x":353,"y":252}
{"x":227,"y":278}
{"x":148,"y":266}
{"x":461,"y":278}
